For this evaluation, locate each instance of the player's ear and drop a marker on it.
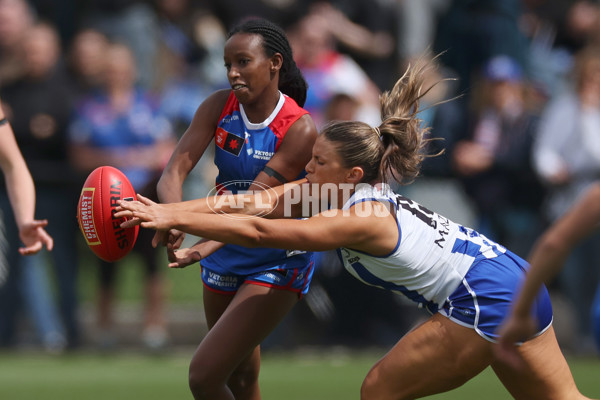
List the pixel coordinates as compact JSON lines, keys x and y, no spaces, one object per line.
{"x":355,"y":175}
{"x":276,"y":62}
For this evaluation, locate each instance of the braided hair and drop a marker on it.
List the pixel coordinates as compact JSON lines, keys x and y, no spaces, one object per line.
{"x":291,"y":80}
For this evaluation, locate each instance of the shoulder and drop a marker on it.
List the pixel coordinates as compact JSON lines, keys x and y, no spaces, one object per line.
{"x":303,"y":128}
{"x":365,"y":192}
{"x":295,"y":120}
{"x":212,"y":107}
{"x":291,"y":106}
{"x":220,"y":98}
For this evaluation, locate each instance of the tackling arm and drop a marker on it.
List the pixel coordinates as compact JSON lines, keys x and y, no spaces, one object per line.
{"x":375,"y":233}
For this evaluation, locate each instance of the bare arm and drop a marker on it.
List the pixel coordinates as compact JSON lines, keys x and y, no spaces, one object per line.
{"x":186,"y":155}
{"x":546,"y":260}
{"x":360,"y":39}
{"x":191,"y":147}
{"x":549,"y":254}
{"x":21,"y":193}
{"x":373,"y":230}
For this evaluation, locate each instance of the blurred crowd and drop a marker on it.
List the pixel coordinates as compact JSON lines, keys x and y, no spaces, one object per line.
{"x":116,"y":82}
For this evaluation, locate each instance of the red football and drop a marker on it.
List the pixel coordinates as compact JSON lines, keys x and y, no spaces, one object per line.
{"x":100,"y":196}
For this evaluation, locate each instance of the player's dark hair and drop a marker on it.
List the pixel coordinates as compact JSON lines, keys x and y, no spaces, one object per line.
{"x":291,"y":80}
{"x":394,"y":149}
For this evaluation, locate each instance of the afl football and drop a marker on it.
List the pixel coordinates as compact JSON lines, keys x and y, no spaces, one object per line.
{"x":98,"y":201}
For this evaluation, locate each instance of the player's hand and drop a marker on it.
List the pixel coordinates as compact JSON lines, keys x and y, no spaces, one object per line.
{"x":513,"y":330}
{"x":183,"y":257}
{"x":34,"y":237}
{"x":152,"y":215}
{"x":172,"y":237}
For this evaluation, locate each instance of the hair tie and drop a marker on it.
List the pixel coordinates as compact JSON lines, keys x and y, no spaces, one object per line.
{"x":377,"y":131}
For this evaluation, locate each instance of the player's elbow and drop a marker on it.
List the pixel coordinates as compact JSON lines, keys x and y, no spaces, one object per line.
{"x":553,"y":244}
{"x":252,"y":236}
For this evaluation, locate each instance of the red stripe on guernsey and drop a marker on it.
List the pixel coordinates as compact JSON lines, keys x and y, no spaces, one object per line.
{"x":289,"y":113}
{"x":293,"y":278}
{"x":230,"y":106}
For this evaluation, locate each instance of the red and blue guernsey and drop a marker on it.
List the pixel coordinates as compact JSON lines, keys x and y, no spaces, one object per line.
{"x":242,"y":149}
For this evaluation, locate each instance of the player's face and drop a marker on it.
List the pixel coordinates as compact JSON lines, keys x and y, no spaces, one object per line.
{"x":326,"y":165}
{"x":248,"y":67}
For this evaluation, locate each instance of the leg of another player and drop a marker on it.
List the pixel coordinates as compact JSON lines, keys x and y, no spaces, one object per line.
{"x":437,"y":356}
{"x":106,"y":300}
{"x":545,"y":373}
{"x":155,"y":335}
{"x":227,"y":362}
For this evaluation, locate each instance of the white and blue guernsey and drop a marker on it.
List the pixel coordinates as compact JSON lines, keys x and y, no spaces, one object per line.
{"x":443,"y":266}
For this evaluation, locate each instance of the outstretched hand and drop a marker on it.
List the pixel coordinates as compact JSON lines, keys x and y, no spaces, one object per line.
{"x":183,"y":257}
{"x":144,"y":212}
{"x":172,"y":238}
{"x":34,"y":237}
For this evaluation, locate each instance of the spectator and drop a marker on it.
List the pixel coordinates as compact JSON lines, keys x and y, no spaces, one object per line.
{"x":472,"y":32}
{"x":191,"y":46}
{"x":329,"y":72}
{"x":495,"y":163}
{"x":132,"y":22}
{"x":365,"y":31}
{"x":284,"y":13}
{"x":16,"y":17}
{"x":418,"y":22}
{"x":40,"y":125}
{"x":86,"y":61}
{"x":120,"y":126}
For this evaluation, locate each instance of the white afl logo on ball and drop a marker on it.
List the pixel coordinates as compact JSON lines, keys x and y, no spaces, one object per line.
{"x":234,"y":195}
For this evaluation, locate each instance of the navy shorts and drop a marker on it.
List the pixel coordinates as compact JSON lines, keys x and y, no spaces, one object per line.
{"x":294,"y":280}
{"x":484,"y":298}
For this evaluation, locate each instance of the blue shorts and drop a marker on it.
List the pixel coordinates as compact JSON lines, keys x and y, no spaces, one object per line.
{"x":294,"y":280}
{"x":484,"y":298}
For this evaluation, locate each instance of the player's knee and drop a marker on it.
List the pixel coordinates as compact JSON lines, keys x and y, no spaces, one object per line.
{"x":371,"y":386}
{"x":202,"y":384}
{"x":375,"y":388}
{"x":244,"y":379}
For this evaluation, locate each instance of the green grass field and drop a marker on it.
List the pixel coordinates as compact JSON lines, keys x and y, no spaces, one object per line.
{"x":304,"y":375}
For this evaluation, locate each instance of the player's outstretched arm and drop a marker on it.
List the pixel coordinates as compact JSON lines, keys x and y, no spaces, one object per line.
{"x":373,"y":232}
{"x":546,"y":259}
{"x":283,"y":201}
{"x":21,"y":192}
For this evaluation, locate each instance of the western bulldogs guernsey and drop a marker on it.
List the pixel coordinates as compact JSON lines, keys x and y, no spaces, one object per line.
{"x":242,"y":149}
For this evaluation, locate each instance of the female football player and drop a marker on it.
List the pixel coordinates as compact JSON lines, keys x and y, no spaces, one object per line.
{"x":465,"y":280}
{"x":262,"y":138}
